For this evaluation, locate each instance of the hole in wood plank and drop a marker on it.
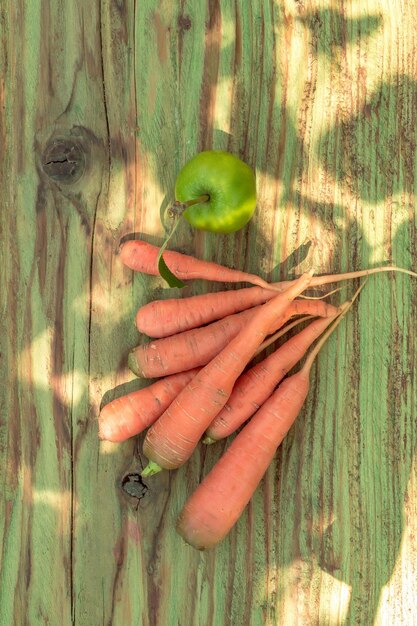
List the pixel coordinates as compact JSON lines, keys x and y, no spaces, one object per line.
{"x":64,"y":160}
{"x":133,"y":485}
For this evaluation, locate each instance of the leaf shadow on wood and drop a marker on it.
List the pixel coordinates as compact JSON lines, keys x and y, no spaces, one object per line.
{"x":373,"y":153}
{"x":377,"y":127}
{"x":332,"y":32}
{"x":366,"y":561}
{"x":293,"y":260}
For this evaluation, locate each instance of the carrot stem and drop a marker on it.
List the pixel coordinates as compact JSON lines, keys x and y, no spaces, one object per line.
{"x":209,"y":440}
{"x":317,"y":281}
{"x":175,"y":212}
{"x":334,"y":278}
{"x":163,"y":269}
{"x":344,"y":309}
{"x":151,"y":469}
{"x":325,"y":295}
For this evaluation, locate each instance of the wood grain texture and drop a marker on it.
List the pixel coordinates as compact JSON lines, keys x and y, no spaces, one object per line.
{"x":320,"y":98}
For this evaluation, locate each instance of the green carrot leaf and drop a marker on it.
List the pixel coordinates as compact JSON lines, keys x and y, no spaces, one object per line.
{"x":163,"y":268}
{"x":167,"y":275}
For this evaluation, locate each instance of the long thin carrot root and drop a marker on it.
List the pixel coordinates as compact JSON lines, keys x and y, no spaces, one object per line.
{"x":325,"y":295}
{"x":143,"y":257}
{"x":335,"y":278}
{"x":344,"y":309}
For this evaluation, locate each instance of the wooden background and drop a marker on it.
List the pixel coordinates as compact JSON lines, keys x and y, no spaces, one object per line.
{"x":101,"y":103}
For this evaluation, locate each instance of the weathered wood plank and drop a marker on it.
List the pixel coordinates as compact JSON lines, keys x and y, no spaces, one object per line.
{"x":319,"y":97}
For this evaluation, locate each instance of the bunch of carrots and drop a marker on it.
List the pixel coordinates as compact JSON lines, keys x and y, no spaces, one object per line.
{"x":200,"y":351}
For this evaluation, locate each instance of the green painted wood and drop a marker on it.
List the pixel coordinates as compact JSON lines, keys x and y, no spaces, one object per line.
{"x":319,"y":97}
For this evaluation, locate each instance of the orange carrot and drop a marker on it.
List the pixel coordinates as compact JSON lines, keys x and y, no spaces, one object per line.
{"x":219,"y":500}
{"x":253,"y":387}
{"x":162,"y":318}
{"x":142,"y":257}
{"x":198,"y":346}
{"x":173,"y":437}
{"x":129,"y":415}
{"x":183,"y":351}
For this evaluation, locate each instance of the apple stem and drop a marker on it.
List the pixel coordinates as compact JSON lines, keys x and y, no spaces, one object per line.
{"x":178,"y":208}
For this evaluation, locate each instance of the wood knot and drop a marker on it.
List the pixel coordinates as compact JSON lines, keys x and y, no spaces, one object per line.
{"x":133,"y":485}
{"x":184,"y":22}
{"x":64,"y":160}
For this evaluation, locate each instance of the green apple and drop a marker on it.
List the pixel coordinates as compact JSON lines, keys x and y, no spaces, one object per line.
{"x":216,"y":191}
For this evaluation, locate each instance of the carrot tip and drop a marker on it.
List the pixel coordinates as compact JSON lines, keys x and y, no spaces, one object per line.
{"x":105,"y":432}
{"x":151,"y":469}
{"x":102,"y":432}
{"x":132,"y":364}
{"x":209,"y":440}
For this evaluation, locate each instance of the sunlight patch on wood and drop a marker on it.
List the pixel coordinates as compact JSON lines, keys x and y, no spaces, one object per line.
{"x":35,"y":369}
{"x":294,"y":605}
{"x":121,"y":193}
{"x":147,"y":211}
{"x":374,"y":224}
{"x":399,"y":594}
{"x":334,"y":601}
{"x":108,"y":447}
{"x":71,"y":387}
{"x":57,"y":500}
{"x":107,"y":304}
{"x":35,"y":360}
{"x":222,"y":111}
{"x":228,"y":31}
